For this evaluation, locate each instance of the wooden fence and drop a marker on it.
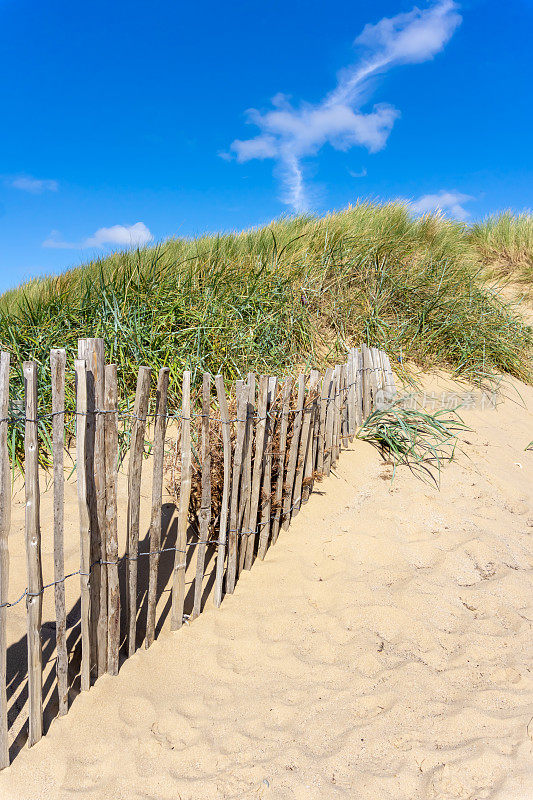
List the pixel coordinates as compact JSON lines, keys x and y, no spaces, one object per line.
{"x":241,"y":466}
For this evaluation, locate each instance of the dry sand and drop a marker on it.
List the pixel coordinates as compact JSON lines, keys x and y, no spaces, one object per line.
{"x":382,"y":650}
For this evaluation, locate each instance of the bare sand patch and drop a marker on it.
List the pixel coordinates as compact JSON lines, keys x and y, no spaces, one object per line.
{"x":383,"y":649}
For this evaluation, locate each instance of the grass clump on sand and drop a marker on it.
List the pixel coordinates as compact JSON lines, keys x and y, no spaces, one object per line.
{"x":420,"y":441}
{"x":297,"y":291}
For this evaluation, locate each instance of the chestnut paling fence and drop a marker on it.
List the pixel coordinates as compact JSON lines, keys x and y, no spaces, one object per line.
{"x":241,"y":465}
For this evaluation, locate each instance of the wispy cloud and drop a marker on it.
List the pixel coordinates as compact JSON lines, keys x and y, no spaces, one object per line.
{"x":136,"y":235}
{"x":32,"y":185}
{"x":289,"y":134}
{"x":445,"y":201}
{"x":361,"y":174}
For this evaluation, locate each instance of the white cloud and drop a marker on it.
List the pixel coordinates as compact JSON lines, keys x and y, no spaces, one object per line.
{"x":32,"y":185}
{"x":288,"y":134}
{"x":361,"y":174}
{"x":136,"y":235}
{"x":444,"y":201}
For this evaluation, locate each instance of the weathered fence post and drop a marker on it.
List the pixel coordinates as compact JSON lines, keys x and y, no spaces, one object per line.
{"x":83,"y":507}
{"x":285,"y":406}
{"x":223,"y":525}
{"x":111,"y":538}
{"x":324,"y":403}
{"x":57,"y":365}
{"x":180,"y":556}
{"x":257,"y":469}
{"x":140,"y":410}
{"x":245,"y":495}
{"x":5,"y":524}
{"x":34,"y":598}
{"x":241,"y":393}
{"x":157,"y":498}
{"x":293,"y":453}
{"x":310,"y":455}
{"x":267,"y":471}
{"x":92,"y":350}
{"x":205,"y":501}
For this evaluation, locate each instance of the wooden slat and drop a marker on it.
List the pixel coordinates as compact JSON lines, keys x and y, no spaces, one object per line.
{"x":330,"y":420}
{"x":304,"y":443}
{"x":293,"y":453}
{"x":224,"y":511}
{"x":140,"y":410}
{"x":205,"y":503}
{"x":258,"y":464}
{"x":180,"y":559}
{"x":111,"y":537}
{"x":245,"y":497}
{"x":358,"y":387}
{"x":378,"y":377}
{"x":366,"y":374}
{"x":334,"y":415}
{"x":5,"y":524}
{"x":389,"y":380}
{"x":240,"y":427}
{"x":352,"y":365}
{"x":284,"y":424}
{"x":92,"y":350}
{"x":57,"y":365}
{"x":82,"y":422}
{"x":310,"y":457}
{"x":372,"y":373}
{"x":343,"y":400}
{"x":160,"y":428}
{"x":324,"y":401}
{"x":34,"y":600}
{"x":264,"y":528}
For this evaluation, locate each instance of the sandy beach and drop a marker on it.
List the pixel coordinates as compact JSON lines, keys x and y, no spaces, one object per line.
{"x":383,"y":649}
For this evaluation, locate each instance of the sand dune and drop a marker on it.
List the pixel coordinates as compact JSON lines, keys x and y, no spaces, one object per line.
{"x":383,"y":649}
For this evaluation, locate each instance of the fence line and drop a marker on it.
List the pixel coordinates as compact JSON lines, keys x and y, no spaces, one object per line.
{"x":242,"y":476}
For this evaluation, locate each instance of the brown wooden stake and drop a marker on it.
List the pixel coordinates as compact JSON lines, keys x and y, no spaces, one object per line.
{"x":224,"y":511}
{"x":160,"y":428}
{"x":205,"y":503}
{"x":351,"y":377}
{"x":378,"y":377}
{"x":324,"y":403}
{"x":259,"y":457}
{"x":245,"y":498}
{"x":180,"y":558}
{"x":140,"y":410}
{"x":34,"y":598}
{"x":82,"y":422}
{"x":111,"y":537}
{"x":242,"y":405}
{"x":358,"y":387}
{"x":92,"y":350}
{"x":310,"y":455}
{"x":305,"y":438}
{"x":343,"y":398}
{"x":331,"y":423}
{"x":5,"y":524}
{"x":293,"y":453}
{"x":367,"y":381}
{"x":57,"y":364}
{"x":285,"y":406}
{"x":264,"y":530}
{"x":333,"y":404}
{"x":389,"y":380}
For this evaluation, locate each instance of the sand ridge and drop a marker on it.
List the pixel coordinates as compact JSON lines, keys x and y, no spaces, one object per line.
{"x":382,"y":650}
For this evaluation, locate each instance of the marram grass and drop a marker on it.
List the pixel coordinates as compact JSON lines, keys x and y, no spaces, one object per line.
{"x":296,"y":292}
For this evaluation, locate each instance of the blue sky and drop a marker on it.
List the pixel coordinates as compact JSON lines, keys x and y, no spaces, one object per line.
{"x":125,"y":122}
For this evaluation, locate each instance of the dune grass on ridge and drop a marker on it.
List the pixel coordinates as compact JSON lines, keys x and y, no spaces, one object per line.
{"x":298,"y":291}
